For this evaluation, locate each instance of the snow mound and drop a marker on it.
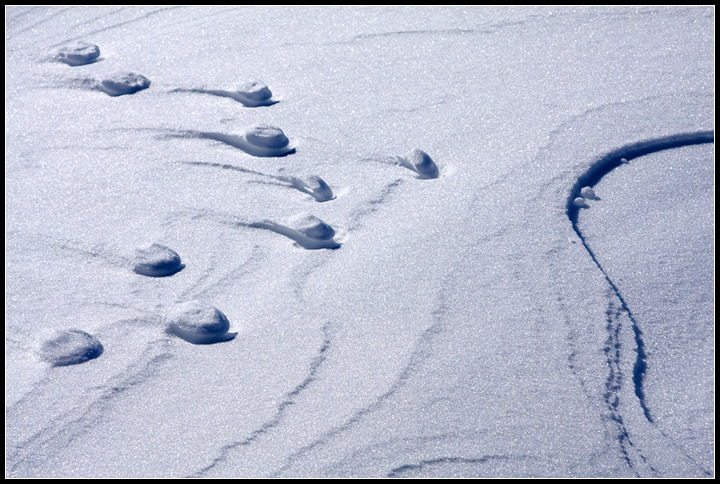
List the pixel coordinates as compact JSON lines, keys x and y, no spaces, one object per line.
{"x":314,"y":186}
{"x":421,"y":163}
{"x":266,"y":136}
{"x":265,"y":140}
{"x":254,"y":94}
{"x":588,"y":193}
{"x":78,"y":53}
{"x":122,"y":83}
{"x":157,"y":261}
{"x":312,"y":227}
{"x":70,"y":347}
{"x":306,"y":230}
{"x":199,"y":323}
{"x":580,"y":202}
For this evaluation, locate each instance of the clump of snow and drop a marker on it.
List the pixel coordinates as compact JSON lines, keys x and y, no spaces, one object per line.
{"x":266,"y":136}
{"x":70,"y":347}
{"x":156,"y":261}
{"x":265,"y":140}
{"x":421,"y":163}
{"x":199,"y":323}
{"x":306,"y":230}
{"x":121,"y":83}
{"x":312,"y":227}
{"x":254,"y":93}
{"x":588,"y":193}
{"x":314,"y":186}
{"x":78,"y":53}
{"x":580,"y":202}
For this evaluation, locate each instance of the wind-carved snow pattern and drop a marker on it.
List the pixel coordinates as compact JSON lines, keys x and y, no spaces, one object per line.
{"x":287,"y":402}
{"x":252,"y":94}
{"x":577,"y":200}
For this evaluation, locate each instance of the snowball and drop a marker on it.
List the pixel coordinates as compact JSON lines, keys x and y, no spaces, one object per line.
{"x":199,"y":323}
{"x":423,"y":164}
{"x":312,"y":227}
{"x":579,"y":202}
{"x":314,"y":186}
{"x":589,"y":193}
{"x":266,"y":136}
{"x":254,"y":92}
{"x":156,"y":261}
{"x":70,"y":347}
{"x":78,"y":53}
{"x":122,"y":83}
{"x":262,"y":140}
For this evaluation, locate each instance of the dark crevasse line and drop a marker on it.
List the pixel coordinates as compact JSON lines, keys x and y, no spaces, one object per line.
{"x":590,"y":178}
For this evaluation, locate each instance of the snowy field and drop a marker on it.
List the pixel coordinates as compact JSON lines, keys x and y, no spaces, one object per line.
{"x":359,"y":242}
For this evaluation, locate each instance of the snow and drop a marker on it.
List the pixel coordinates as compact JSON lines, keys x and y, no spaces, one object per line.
{"x":199,"y":323}
{"x":369,"y":318}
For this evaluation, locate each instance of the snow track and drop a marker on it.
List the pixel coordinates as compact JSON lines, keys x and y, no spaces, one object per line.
{"x":615,"y":315}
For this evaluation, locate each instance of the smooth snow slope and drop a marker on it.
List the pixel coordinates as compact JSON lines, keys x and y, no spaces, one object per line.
{"x":388,"y":324}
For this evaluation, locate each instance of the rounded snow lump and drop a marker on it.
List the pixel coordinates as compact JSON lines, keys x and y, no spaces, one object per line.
{"x":156,"y":261}
{"x":588,"y":193}
{"x":70,"y":347}
{"x":312,"y":227}
{"x":424,"y":165}
{"x":317,"y":187}
{"x":199,"y":323}
{"x":266,"y":136}
{"x":579,"y":202}
{"x":122,"y":83}
{"x":78,"y":53}
{"x":254,"y":93}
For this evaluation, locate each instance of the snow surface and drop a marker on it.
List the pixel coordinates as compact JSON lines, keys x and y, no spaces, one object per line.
{"x":473,"y":324}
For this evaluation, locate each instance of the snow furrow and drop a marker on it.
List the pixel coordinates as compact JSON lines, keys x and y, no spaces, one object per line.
{"x":287,"y":402}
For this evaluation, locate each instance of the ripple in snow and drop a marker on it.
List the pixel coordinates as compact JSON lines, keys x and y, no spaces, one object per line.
{"x":122,"y":83}
{"x":307,"y":230}
{"x":199,"y":323}
{"x":70,"y":347}
{"x":157,"y":261}
{"x":421,"y":163}
{"x":78,"y":53}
